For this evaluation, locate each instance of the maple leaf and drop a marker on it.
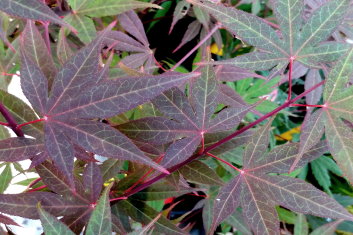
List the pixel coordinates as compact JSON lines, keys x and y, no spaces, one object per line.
{"x":299,"y":41}
{"x":192,"y":119}
{"x":80,"y":204}
{"x":257,"y":191}
{"x":63,"y":110}
{"x":337,"y":100}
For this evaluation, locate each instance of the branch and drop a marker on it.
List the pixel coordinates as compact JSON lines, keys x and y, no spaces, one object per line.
{"x":11,"y":121}
{"x":222,"y":141}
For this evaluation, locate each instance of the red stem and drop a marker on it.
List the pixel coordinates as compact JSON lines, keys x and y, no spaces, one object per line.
{"x":225,"y":162}
{"x":307,"y":105}
{"x":31,"y":122}
{"x":11,"y":122}
{"x":4,"y":124}
{"x":34,"y":182}
{"x":9,"y":74}
{"x":37,"y":189}
{"x":117,"y":199}
{"x":158,"y":160}
{"x":222,"y":141}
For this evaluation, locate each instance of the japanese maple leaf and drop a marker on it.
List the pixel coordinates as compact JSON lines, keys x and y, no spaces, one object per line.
{"x":75,"y":205}
{"x":257,"y":191}
{"x":337,"y":106}
{"x":299,"y":40}
{"x":187,"y":118}
{"x":141,"y":55}
{"x":79,"y":93}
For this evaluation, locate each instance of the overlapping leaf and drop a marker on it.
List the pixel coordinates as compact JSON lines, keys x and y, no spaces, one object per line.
{"x":100,"y":99}
{"x":191,"y":119}
{"x":34,"y":48}
{"x":300,"y":40}
{"x":31,"y":9}
{"x":143,"y":213}
{"x":257,"y":192}
{"x":83,"y":11}
{"x":337,"y":100}
{"x":52,"y":225}
{"x":100,"y":221}
{"x":73,"y":202}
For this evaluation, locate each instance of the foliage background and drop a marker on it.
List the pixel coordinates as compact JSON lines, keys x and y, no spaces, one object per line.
{"x":190,"y":205}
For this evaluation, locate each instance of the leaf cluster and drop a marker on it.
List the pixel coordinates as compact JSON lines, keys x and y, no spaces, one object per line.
{"x":117,"y":140}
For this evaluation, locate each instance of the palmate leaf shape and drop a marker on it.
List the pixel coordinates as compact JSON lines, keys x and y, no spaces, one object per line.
{"x":337,"y":105}
{"x":83,"y":11}
{"x":257,"y":192}
{"x":80,"y":206}
{"x":87,"y":193}
{"x":63,"y":109}
{"x":144,"y":56}
{"x":190,"y":119}
{"x":300,"y":40}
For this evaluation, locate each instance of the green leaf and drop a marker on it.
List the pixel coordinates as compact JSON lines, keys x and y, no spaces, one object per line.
{"x":100,"y":221}
{"x":100,"y":8}
{"x":286,"y":215}
{"x":51,"y":225}
{"x":327,"y":229}
{"x":5,"y":178}
{"x":301,"y":226}
{"x":84,"y":25}
{"x":321,"y":168}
